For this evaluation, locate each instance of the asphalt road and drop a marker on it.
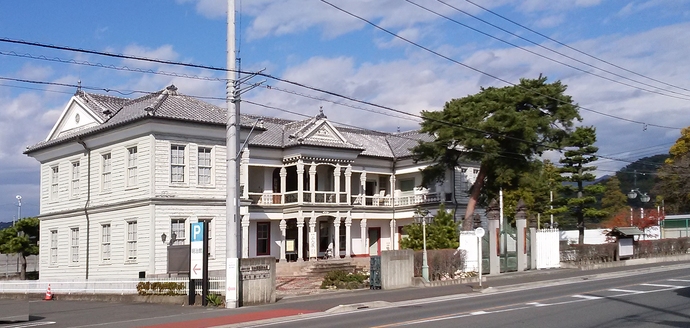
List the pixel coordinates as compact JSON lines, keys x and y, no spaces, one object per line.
{"x":658,"y":298}
{"x":399,"y":306}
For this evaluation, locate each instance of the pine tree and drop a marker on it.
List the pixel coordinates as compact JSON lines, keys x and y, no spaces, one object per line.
{"x":614,"y":199}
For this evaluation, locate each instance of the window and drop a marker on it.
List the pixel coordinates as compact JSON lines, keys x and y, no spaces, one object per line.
{"x":131,"y":166}
{"x":406,"y":184}
{"x":54,"y":183}
{"x":74,"y":245}
{"x":211,"y":240}
{"x":177,"y":163}
{"x":53,"y":247}
{"x":263,"y":238}
{"x":204,"y":166}
{"x":105,"y":242}
{"x":341,"y":237}
{"x":131,"y":240}
{"x":75,"y":179}
{"x":177,"y":232}
{"x":106,"y":169}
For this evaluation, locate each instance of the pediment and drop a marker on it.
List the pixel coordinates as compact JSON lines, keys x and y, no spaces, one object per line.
{"x":323,"y":131}
{"x":75,"y":117}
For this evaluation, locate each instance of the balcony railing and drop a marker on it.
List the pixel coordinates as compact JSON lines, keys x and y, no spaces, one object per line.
{"x":329,"y":197}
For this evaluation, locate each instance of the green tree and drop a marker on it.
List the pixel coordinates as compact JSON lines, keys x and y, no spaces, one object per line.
{"x":535,"y":187}
{"x":22,"y":238}
{"x":614,"y":199}
{"x":502,"y":128}
{"x":442,"y":233}
{"x":674,"y":185}
{"x":681,"y":147}
{"x":580,"y":198}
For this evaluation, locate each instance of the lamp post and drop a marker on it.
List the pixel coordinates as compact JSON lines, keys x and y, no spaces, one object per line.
{"x":19,"y":208}
{"x":421,"y":217}
{"x":643,"y":198}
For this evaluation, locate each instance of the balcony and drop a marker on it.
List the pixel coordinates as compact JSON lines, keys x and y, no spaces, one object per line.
{"x":330,"y":197}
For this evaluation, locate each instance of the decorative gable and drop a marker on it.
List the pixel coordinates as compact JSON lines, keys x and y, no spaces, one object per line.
{"x":325,"y":132}
{"x":74,"y":117}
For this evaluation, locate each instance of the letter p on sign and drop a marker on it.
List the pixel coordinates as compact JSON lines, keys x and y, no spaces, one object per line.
{"x":198,"y":231}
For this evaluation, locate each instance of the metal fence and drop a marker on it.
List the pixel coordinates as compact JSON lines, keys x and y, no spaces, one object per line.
{"x":117,"y":287}
{"x":10,"y":265}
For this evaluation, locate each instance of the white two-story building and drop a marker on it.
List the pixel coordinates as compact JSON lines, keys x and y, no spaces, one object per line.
{"x":122,"y":179}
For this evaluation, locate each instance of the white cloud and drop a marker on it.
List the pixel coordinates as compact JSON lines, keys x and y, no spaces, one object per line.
{"x":164,"y":52}
{"x":30,"y":71}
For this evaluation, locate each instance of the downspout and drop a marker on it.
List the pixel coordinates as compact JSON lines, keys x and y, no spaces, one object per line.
{"x":87,"y":150}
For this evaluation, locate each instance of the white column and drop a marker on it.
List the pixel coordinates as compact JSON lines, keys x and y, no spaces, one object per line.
{"x":283,"y":227}
{"x":312,"y":182}
{"x":348,"y":184}
{"x":348,"y":239}
{"x":363,"y":187}
{"x":363,"y":230}
{"x":392,"y":224}
{"x":244,"y":173}
{"x":336,"y":232}
{"x":336,"y":177}
{"x":283,"y":181}
{"x":245,"y":236}
{"x":312,"y":230}
{"x":300,"y":237}
{"x":300,"y":181}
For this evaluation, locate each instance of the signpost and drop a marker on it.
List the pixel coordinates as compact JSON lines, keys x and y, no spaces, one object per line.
{"x":479,"y":232}
{"x":198,"y":260}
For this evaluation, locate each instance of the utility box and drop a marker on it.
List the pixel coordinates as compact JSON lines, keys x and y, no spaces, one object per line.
{"x":375,"y":272}
{"x":625,"y":237}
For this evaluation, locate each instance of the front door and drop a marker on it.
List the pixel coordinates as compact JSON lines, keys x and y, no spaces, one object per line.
{"x":374,"y":241}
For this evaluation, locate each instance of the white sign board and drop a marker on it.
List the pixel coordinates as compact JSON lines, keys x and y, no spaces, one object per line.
{"x":625,"y":247}
{"x":196,"y":258}
{"x":312,"y":245}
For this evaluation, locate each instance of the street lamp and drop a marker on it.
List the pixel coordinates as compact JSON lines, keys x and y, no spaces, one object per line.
{"x":643,"y":198}
{"x":19,"y":208}
{"x":421,"y":217}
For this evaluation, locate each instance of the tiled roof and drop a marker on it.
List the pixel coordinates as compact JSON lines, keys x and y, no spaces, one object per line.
{"x":270,"y":132}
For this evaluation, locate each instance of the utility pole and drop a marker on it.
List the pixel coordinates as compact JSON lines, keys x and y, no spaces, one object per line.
{"x":232,"y":299}
{"x":19,"y":209}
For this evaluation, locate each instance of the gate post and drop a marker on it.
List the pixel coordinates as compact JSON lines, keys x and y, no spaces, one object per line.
{"x":494,"y":234}
{"x":521,"y":225}
{"x":533,"y":243}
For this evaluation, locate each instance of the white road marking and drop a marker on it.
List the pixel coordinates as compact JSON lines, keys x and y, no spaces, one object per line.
{"x":627,"y":291}
{"x":588,"y":297}
{"x":478,"y":312}
{"x":660,"y":285}
{"x":537,"y":304}
{"x":30,"y":324}
{"x":679,"y":280}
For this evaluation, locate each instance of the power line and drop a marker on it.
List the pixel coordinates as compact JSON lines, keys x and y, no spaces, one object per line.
{"x":572,"y":48}
{"x":485,"y":73}
{"x":551,"y":50}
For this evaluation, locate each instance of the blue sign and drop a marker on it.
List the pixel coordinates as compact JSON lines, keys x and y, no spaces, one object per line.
{"x":198,"y":231}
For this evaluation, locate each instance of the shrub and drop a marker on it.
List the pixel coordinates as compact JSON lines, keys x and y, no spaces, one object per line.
{"x":214,"y":299}
{"x":444,"y":264}
{"x":341,"y":279}
{"x":160,"y":288}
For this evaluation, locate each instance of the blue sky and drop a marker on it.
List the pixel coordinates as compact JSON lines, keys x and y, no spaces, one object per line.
{"x":310,"y":42}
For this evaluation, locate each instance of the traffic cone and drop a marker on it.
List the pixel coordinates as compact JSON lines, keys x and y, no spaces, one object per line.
{"x":49,"y":295}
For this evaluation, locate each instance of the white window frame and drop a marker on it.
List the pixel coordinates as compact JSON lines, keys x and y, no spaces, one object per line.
{"x":179,"y":227}
{"x":74,"y":244}
{"x":132,"y":237}
{"x":211,"y":235}
{"x":106,"y":171}
{"x":106,"y":242}
{"x":53,"y":247}
{"x":178,"y":154}
{"x":54,"y":182}
{"x":76,"y":175}
{"x":132,"y":164}
{"x":202,"y":153}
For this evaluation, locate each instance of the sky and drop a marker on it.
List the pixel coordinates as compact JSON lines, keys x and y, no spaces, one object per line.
{"x":625,"y":63}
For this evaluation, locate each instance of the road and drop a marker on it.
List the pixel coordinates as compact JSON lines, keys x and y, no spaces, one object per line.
{"x":656,"y":299}
{"x":542,"y":298}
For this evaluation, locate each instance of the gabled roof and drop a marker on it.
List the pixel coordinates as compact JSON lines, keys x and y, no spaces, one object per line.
{"x":625,"y":231}
{"x":318,"y":131}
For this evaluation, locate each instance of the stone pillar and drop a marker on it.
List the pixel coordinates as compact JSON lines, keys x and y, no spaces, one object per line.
{"x":348,"y":184}
{"x":312,"y":242}
{"x":244,"y":174}
{"x":312,"y":182}
{"x":283,"y":182}
{"x":521,"y":225}
{"x":283,"y":227}
{"x":336,"y":233}
{"x":363,"y":231}
{"x":300,"y":182}
{"x":392,"y":189}
{"x":494,"y":232}
{"x":533,"y":242}
{"x":245,"y":236}
{"x":336,"y":178}
{"x":363,"y":187}
{"x":348,"y":235}
{"x":300,"y":237}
